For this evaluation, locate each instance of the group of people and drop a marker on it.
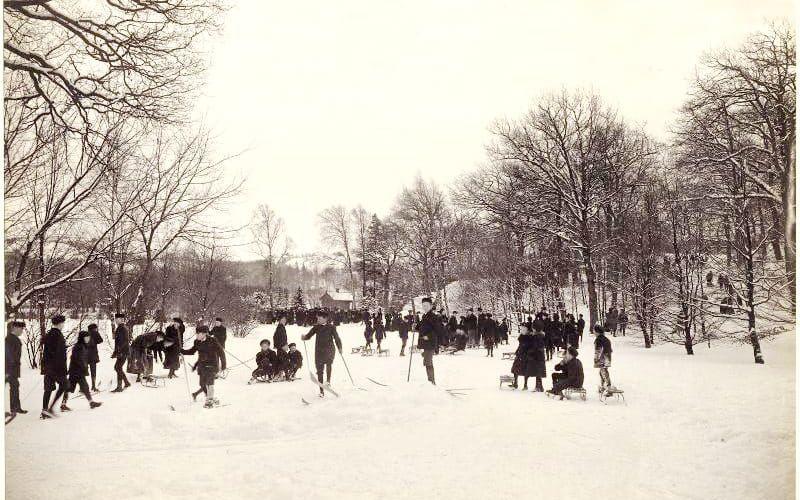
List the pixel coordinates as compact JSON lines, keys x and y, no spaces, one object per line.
{"x":281,"y":363}
{"x":531,"y":357}
{"x":616,"y":320}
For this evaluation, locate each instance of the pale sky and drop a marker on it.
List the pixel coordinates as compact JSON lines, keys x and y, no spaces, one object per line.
{"x":345,"y":102}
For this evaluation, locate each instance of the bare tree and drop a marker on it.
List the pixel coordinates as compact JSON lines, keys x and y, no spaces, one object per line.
{"x":336,"y":232}
{"x":269,"y":237}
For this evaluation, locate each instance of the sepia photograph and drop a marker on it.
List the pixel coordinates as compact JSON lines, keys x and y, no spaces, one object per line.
{"x":431,"y":249}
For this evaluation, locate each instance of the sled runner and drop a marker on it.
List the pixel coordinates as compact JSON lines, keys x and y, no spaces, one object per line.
{"x":376,"y":382}
{"x":367,"y":351}
{"x":383,"y":352}
{"x":612,"y":392}
{"x":10,"y":417}
{"x":506,"y":379}
{"x":355,"y":350}
{"x":569,"y":393}
{"x":509,"y":355}
{"x":153,"y":382}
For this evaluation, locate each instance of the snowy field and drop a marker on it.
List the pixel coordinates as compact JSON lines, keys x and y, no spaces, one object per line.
{"x":712,"y":426}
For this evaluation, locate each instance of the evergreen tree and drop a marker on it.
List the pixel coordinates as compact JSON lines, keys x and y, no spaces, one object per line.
{"x":298,"y":302}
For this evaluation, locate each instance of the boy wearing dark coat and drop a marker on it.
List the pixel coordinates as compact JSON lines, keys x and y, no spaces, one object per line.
{"x":219,"y":332}
{"x":295,"y":360}
{"x":94,"y":356}
{"x":573,"y":373}
{"x":279,"y":337}
{"x":54,"y":365}
{"x":403,"y":325}
{"x":602,"y":358}
{"x":79,"y":370}
{"x":519,"y":366}
{"x":13,"y":364}
{"x":210,"y":355}
{"x":429,"y":330}
{"x":489,"y":336}
{"x":266,"y":361}
{"x":122,"y":349}
{"x":535,"y":366}
{"x":326,"y":345}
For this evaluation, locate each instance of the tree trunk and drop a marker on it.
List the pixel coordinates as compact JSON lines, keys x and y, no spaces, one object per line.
{"x":591,"y":287}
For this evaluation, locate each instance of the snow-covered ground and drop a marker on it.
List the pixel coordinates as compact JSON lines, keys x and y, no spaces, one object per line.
{"x":712,"y":426}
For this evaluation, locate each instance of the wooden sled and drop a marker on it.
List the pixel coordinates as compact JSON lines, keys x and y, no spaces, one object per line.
{"x":509,"y":355}
{"x":506,"y":379}
{"x":619,"y":394}
{"x":383,"y":352}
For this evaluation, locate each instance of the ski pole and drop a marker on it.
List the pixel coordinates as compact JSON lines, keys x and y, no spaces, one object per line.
{"x":411,"y":355}
{"x":346,"y":368}
{"x":308,"y":362}
{"x":237,"y":359}
{"x":186,"y":376}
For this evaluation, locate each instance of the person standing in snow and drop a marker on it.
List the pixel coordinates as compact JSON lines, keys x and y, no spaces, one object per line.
{"x":210,"y":359}
{"x":489,"y":336}
{"x":379,"y":332}
{"x":581,"y":326}
{"x":94,"y":356}
{"x":219,"y":332}
{"x":54,"y":365}
{"x":429,"y":330}
{"x":79,"y":369}
{"x":13,"y":365}
{"x":519,"y":366}
{"x":279,"y":338}
{"x":623,"y":321}
{"x":368,"y":333}
{"x":122,"y":348}
{"x":602,"y":358}
{"x":327,"y":343}
{"x":403,"y":325}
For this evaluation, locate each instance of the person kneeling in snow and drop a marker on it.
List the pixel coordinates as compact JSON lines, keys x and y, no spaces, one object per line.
{"x":266,"y":360}
{"x":209,"y":356}
{"x":573,"y":373}
{"x":79,"y":370}
{"x":295,"y":360}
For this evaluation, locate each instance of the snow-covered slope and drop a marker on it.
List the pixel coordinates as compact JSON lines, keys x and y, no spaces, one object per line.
{"x":710,"y":426}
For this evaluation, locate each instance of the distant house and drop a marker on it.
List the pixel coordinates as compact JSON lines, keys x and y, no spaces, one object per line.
{"x":337,"y":299}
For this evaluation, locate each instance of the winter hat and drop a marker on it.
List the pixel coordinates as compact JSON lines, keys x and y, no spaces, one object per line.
{"x":18,"y":324}
{"x":218,"y":319}
{"x":177,"y":320}
{"x":598,"y":329}
{"x":58,"y":319}
{"x":572,"y":351}
{"x":292,"y":345}
{"x":265,"y":341}
{"x":428,"y":300}
{"x":119,"y":315}
{"x":92,"y":327}
{"x":202,"y":329}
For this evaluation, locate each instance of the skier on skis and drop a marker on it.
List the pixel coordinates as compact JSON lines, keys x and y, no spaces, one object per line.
{"x":602,"y":358}
{"x":54,"y":365}
{"x":327,"y":343}
{"x":210,"y":355}
{"x":429,"y":330}
{"x":79,"y":369}
{"x":219,"y":332}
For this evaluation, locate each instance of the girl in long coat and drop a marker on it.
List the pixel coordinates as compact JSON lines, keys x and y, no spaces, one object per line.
{"x":535,"y":366}
{"x":519,"y":367}
{"x":368,"y":333}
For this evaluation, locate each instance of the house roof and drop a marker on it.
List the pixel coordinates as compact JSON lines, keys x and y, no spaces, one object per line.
{"x":339,"y":296}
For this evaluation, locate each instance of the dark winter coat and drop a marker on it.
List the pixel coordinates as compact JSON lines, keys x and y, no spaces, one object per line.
{"x":282,"y":360}
{"x":573,"y":369}
{"x":403,"y":327}
{"x":535,"y":363}
{"x":602,"y":352}
{"x":79,"y":359}
{"x":368,"y":333}
{"x":209,"y":354}
{"x":220,"y":333}
{"x":122,"y":342}
{"x":54,"y":354}
{"x":13,"y":355}
{"x":379,"y":332}
{"x":519,"y":367}
{"x":571,"y":333}
{"x":295,"y":360}
{"x":327,"y":343}
{"x":94,"y":356}
{"x":471,"y":322}
{"x":581,"y":325}
{"x":172,"y":333}
{"x":279,"y":338}
{"x":430,"y":329}
{"x":266,"y":359}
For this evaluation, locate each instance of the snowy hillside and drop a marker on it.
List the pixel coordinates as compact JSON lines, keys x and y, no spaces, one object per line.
{"x":710,"y":426}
